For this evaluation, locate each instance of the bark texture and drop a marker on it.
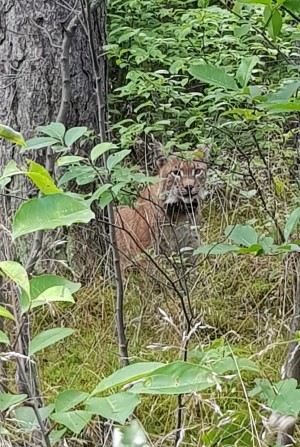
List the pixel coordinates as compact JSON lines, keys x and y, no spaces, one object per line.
{"x":31,"y":36}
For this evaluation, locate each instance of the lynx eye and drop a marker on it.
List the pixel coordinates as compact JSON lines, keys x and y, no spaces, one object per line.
{"x":176,"y":173}
{"x":198,"y":172}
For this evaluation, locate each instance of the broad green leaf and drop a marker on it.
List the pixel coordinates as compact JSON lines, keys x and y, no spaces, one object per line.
{"x":116,"y":158}
{"x":27,"y":417}
{"x":213,"y":76}
{"x":291,"y":223}
{"x":176,"y":378}
{"x":242,"y":30}
{"x":273,"y":21}
{"x":284,"y":107}
{"x":17,"y":273}
{"x":56,"y":293}
{"x":74,"y":420}
{"x":229,"y":364}
{"x":49,"y":212}
{"x":285,"y":92}
{"x":8,"y":400}
{"x":101,"y":149}
{"x":98,"y":193}
{"x":11,"y":135}
{"x":11,"y":169}
{"x":4,"y":338}
{"x":105,"y":198}
{"x":260,"y":2}
{"x":6,"y":314}
{"x":56,"y":435}
{"x":39,"y":143}
{"x":69,"y":399}
{"x":283,"y":396}
{"x":292,"y":5}
{"x":216,"y":249}
{"x":54,"y":130}
{"x":68,"y":160}
{"x":47,"y":338}
{"x":41,"y":178}
{"x":131,"y":435}
{"x":39,"y":284}
{"x":242,"y":234}
{"x":74,"y":134}
{"x":244,"y":71}
{"x":127,"y":374}
{"x":117,"y":407}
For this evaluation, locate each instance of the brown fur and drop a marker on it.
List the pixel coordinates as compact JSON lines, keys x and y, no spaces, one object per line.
{"x":164,"y":213}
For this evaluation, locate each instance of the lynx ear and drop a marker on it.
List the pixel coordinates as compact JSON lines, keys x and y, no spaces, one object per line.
{"x":159,"y":156}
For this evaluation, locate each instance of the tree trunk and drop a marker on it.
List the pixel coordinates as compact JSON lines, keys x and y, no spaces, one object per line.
{"x":31,"y":37}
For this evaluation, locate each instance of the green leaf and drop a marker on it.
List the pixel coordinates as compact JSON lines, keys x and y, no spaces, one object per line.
{"x":127,"y":374}
{"x":99,"y":192}
{"x":11,"y":135}
{"x":117,"y":407}
{"x":292,"y":5}
{"x":291,"y":223}
{"x":54,"y":130}
{"x":242,"y":234}
{"x":49,"y":212}
{"x":8,"y":400}
{"x":244,"y":71}
{"x":39,"y":143}
{"x":176,"y":378}
{"x":105,"y":198}
{"x":101,"y":149}
{"x":42,"y":179}
{"x":116,"y":158}
{"x":27,"y":417}
{"x":4,"y":338}
{"x":69,"y":399}
{"x":229,"y":364}
{"x":273,"y":21}
{"x":242,"y":30}
{"x":17,"y":273}
{"x":68,"y":160}
{"x":74,"y":420}
{"x":285,"y":92}
{"x":47,"y":338}
{"x":74,"y":134}
{"x":215,"y":249}
{"x":213,"y":76}
{"x":283,"y":107}
{"x":6,"y":314}
{"x":56,"y":293}
{"x":131,"y":435}
{"x":56,"y":435}
{"x":283,"y":396}
{"x":39,"y":284}
{"x":261,"y":2}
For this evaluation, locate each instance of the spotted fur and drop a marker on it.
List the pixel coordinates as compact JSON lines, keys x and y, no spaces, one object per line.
{"x":165,"y":213}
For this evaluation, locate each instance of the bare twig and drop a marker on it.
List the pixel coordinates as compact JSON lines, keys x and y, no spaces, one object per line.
{"x":101,"y":85}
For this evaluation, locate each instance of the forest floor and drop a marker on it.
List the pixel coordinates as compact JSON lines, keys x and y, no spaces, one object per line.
{"x":242,"y":300}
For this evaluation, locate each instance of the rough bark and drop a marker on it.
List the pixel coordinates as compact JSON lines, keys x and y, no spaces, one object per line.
{"x":31,"y":36}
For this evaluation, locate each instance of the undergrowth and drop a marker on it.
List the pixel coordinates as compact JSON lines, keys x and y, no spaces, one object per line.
{"x":245,"y":303}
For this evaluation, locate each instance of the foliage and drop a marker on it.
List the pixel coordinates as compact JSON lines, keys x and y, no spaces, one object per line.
{"x":194,"y":74}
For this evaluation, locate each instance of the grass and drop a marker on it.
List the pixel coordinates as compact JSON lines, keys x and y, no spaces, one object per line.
{"x":242,"y":300}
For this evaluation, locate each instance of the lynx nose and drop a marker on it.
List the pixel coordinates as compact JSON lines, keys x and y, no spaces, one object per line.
{"x":188,"y":190}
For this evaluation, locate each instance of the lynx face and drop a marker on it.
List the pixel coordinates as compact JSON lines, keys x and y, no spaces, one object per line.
{"x":184,"y":184}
